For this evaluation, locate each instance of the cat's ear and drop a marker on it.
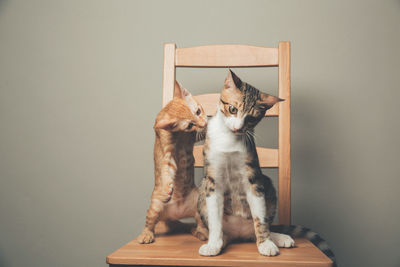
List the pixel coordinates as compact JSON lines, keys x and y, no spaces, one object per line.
{"x":179,"y":91}
{"x":268,"y":100}
{"x":232,"y":80}
{"x":166,"y":124}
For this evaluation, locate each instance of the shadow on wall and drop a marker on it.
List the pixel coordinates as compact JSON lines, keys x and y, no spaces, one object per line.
{"x":309,"y":151}
{"x":312,"y":159}
{"x":316,"y":166}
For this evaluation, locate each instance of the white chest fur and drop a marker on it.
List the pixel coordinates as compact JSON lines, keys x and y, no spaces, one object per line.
{"x":227,"y":151}
{"x":221,"y":138}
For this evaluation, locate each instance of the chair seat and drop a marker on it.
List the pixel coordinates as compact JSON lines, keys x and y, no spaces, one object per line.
{"x":181,"y":249}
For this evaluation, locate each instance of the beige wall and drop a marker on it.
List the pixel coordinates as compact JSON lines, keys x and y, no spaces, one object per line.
{"x":80,"y":85}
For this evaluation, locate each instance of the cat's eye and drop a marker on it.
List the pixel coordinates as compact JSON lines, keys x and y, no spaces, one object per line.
{"x":232,"y":109}
{"x":198,"y":112}
{"x":190,"y":126}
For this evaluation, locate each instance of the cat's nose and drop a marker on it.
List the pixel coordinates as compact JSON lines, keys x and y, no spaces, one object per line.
{"x":237,"y":130}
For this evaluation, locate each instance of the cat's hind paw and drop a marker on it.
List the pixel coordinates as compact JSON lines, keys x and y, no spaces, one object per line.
{"x":200,"y":232}
{"x":282,"y":240}
{"x":209,"y":250}
{"x":146,"y":237}
{"x":268,"y":248}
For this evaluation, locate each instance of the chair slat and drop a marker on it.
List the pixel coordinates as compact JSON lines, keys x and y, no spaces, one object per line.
{"x":284,"y":134}
{"x":226,"y":56}
{"x":209,"y":103}
{"x":268,"y":157}
{"x":169,"y":73}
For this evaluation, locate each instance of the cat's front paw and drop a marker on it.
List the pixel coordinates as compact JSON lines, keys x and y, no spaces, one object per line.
{"x":282,"y":240}
{"x":146,"y":237}
{"x":268,"y":248}
{"x":210,"y":249}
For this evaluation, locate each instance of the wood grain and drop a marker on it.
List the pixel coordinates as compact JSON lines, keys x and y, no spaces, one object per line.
{"x":210,"y":101}
{"x":169,"y":73}
{"x":284,"y":172}
{"x":182,"y":250}
{"x":268,"y":157}
{"x":227,"y":56}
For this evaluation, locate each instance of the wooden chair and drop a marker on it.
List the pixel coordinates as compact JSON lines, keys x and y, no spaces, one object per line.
{"x":182,"y":249}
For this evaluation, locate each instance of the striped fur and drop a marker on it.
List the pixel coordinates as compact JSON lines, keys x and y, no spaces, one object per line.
{"x":175,"y":193}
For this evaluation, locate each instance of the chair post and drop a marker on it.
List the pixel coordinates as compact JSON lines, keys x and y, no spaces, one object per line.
{"x":168,"y":72}
{"x":284,"y":133}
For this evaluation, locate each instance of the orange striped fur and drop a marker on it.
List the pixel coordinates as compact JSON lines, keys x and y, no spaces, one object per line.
{"x":175,"y":193}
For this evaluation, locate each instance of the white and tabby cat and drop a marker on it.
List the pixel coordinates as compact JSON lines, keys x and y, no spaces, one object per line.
{"x":236,"y":200}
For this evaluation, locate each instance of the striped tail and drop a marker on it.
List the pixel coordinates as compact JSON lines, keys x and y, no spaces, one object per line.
{"x":300,"y":231}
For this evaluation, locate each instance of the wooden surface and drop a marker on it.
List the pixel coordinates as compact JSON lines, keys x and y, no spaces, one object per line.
{"x":268,"y":157}
{"x":226,"y":56}
{"x":210,"y":101}
{"x":182,"y":250}
{"x":284,"y":133}
{"x":169,"y":73}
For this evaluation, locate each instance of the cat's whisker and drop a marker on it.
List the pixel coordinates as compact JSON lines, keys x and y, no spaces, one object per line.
{"x":200,"y":136}
{"x":256,"y":136}
{"x":250,"y":135}
{"x":249,"y":139}
{"x":253,"y":135}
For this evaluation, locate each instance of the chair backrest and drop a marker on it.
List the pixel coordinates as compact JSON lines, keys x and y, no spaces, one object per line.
{"x":242,"y":56}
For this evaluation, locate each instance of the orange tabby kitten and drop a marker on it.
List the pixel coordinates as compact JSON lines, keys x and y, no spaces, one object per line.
{"x":175,"y":193}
